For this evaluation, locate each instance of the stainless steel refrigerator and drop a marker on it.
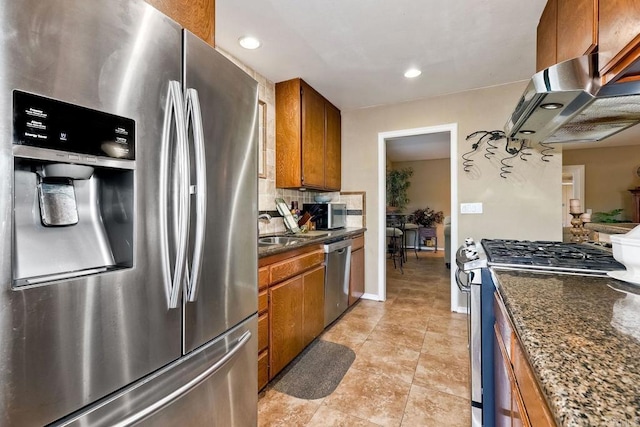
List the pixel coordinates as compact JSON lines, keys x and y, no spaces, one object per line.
{"x":128,"y":221}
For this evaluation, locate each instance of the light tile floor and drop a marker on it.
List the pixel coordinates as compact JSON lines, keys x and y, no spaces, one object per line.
{"x":411,"y":367}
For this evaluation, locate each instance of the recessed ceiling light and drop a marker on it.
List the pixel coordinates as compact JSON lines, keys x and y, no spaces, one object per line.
{"x":249,"y":42}
{"x":528,"y":132}
{"x":412,"y":72}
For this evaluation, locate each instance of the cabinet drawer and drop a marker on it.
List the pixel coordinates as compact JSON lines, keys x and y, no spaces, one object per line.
{"x":536,"y":406}
{"x":263,"y":369}
{"x":263,"y":277}
{"x":263,"y":332}
{"x":294,"y":266}
{"x":503,"y":324}
{"x":263,"y":301}
{"x":358,"y":242}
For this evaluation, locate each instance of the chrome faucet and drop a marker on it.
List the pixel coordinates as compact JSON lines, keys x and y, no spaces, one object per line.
{"x":264,"y":216}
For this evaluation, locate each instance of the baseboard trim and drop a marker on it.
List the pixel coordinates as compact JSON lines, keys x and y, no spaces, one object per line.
{"x":372,"y":297}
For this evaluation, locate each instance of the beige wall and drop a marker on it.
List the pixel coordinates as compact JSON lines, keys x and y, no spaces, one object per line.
{"x":430,"y":187}
{"x":609,"y":174}
{"x":526,"y":205}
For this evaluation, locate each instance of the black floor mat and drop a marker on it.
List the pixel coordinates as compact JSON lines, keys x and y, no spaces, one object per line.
{"x":316,"y":372}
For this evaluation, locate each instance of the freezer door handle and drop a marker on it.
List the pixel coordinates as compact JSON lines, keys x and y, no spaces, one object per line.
{"x":194,"y":117}
{"x":179,"y":392}
{"x":174,"y":116}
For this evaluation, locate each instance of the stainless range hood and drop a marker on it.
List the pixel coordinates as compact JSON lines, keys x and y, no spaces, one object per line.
{"x":566,"y":103}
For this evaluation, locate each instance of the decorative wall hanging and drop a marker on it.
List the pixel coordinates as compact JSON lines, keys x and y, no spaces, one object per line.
{"x":515,"y":149}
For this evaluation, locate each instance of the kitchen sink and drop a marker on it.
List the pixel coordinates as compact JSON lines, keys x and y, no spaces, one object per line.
{"x":280,"y":240}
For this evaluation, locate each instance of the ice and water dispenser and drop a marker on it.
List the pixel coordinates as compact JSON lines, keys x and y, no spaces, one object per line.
{"x":73,"y":190}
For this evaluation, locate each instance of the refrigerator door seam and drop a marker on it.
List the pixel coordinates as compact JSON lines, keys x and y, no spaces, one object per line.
{"x":195,"y":115}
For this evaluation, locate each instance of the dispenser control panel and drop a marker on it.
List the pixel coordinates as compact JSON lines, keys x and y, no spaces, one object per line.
{"x":49,"y":123}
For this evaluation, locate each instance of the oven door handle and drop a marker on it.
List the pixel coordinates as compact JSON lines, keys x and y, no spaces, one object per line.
{"x":464,"y":287}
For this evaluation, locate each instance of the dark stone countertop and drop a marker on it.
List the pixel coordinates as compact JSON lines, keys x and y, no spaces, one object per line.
{"x":310,"y":238}
{"x":582,"y":339}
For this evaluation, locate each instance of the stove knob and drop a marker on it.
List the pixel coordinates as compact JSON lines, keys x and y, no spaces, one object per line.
{"x":469,"y":241}
{"x":471,"y":252}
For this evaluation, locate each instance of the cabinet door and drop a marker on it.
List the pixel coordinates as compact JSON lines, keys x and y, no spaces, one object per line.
{"x":619,"y":36}
{"x":197,"y":17}
{"x":356,"y":279}
{"x":288,"y":134}
{"x":312,"y":137}
{"x":313,"y":304}
{"x":546,"y":40}
{"x":333,"y":148}
{"x":537,"y":409}
{"x":263,"y":369}
{"x":577,"y":28}
{"x":285,"y":316}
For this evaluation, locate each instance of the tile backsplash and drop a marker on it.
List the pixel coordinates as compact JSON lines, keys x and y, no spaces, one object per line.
{"x":267,"y":191}
{"x":355,"y":206}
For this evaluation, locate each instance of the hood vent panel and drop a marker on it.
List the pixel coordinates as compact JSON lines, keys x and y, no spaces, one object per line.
{"x":601,"y":118}
{"x":587,"y":111}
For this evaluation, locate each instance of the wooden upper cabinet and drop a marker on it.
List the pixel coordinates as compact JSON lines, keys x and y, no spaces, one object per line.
{"x":546,"y":36}
{"x":197,"y":16}
{"x":307,"y":138}
{"x":577,"y":28}
{"x":567,"y":29}
{"x":619,"y":39}
{"x":313,"y":147}
{"x":333,"y":147}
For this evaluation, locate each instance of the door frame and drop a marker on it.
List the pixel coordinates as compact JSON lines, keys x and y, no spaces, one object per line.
{"x":452,"y":129}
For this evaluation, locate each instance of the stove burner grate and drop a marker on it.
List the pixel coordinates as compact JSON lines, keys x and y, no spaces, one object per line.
{"x":549,"y":255}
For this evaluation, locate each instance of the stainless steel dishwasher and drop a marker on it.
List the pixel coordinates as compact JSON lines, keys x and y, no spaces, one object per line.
{"x":337,"y":258}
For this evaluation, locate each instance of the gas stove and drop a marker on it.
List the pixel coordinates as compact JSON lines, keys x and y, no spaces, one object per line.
{"x":478,"y":283}
{"x":558,"y":257}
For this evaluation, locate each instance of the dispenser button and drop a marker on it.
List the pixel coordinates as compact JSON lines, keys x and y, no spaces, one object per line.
{"x":74,"y":157}
{"x":91,"y":159}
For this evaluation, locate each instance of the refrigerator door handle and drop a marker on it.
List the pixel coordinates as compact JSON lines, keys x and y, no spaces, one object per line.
{"x":174,"y":109}
{"x":194,"y":115}
{"x":179,"y":392}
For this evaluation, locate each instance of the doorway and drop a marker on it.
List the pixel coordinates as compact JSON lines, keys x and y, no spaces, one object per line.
{"x":452,"y":131}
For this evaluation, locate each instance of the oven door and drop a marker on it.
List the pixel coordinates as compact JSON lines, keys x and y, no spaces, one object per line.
{"x":469,"y":283}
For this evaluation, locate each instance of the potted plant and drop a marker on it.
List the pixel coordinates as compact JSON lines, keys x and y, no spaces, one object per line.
{"x":427,"y":217}
{"x":397,"y":185}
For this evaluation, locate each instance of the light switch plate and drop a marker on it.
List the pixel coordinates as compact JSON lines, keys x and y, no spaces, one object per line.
{"x":470,"y":208}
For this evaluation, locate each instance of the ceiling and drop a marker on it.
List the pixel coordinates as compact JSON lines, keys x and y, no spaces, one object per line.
{"x":356,"y":52}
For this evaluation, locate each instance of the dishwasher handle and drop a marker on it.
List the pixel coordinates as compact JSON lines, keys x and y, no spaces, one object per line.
{"x":337,"y":246}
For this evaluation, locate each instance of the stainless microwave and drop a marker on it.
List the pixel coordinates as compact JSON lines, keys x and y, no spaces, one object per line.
{"x":327,"y":216}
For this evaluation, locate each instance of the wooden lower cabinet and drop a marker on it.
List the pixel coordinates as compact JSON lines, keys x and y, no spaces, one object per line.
{"x":263,"y":332}
{"x":263,"y":327}
{"x":313,"y":304}
{"x":286,"y":331}
{"x":356,"y":275}
{"x":290,"y":307}
{"x":518,"y":398}
{"x":263,"y":369}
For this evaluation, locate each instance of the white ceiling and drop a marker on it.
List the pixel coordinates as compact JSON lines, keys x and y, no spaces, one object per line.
{"x":355,"y":52}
